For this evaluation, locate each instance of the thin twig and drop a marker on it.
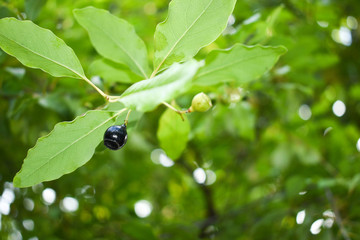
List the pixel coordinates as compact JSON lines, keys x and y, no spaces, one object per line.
{"x":176,"y":110}
{"x":127,"y":117}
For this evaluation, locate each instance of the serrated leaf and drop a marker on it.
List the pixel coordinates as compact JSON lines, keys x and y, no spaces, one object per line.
{"x":69,"y":146}
{"x":114,"y":38}
{"x":148,"y":94}
{"x":190,"y":25}
{"x":37,"y":47}
{"x":173,"y":133}
{"x":112,"y":72}
{"x":241,"y":64}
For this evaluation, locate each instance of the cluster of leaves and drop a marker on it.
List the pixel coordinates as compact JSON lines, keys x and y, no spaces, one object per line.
{"x":179,"y":38}
{"x":261,"y":152}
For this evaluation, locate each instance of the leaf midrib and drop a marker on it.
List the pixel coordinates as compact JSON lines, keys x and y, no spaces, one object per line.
{"x":182,"y":36}
{"x":230,"y":65}
{"x":128,"y":54}
{"x":69,"y":145}
{"x":40,"y":55}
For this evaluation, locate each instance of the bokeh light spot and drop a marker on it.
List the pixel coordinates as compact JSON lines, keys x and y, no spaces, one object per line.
{"x":28,"y":224}
{"x":316,"y":226}
{"x":352,"y":22}
{"x":210,"y":177}
{"x":4,"y":207}
{"x":8,"y":195}
{"x":300,"y":217}
{"x":158,"y":156}
{"x":49,"y":196}
{"x":339,"y":108}
{"x":29,"y":204}
{"x":199,"y":175}
{"x":342,"y":36}
{"x":69,"y":204}
{"x":143,"y":208}
{"x":305,"y":112}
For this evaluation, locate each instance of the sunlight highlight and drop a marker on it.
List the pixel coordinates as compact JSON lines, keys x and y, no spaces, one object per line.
{"x":28,"y":224}
{"x":342,"y":36}
{"x":69,"y":204}
{"x":199,"y":175}
{"x":49,"y":196}
{"x":305,"y":112}
{"x":158,"y":156}
{"x":339,"y":108}
{"x":143,"y":208}
{"x":300,"y":217}
{"x":252,"y":19}
{"x":316,"y":226}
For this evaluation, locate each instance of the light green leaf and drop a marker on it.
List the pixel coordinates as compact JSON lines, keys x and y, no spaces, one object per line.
{"x":112,"y":72}
{"x":37,"y":47}
{"x":241,"y":64}
{"x":173,"y":133}
{"x":69,"y":146}
{"x":114,"y":38}
{"x":190,"y":25}
{"x":147,"y":94}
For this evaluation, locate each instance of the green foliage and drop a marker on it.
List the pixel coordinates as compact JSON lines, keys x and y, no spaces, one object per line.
{"x":39,"y":49}
{"x":241,"y":64}
{"x":189,"y":26}
{"x":112,"y":72}
{"x":114,"y":39}
{"x":146,"y":95}
{"x":173,"y":133}
{"x":69,"y":146}
{"x":269,"y":151}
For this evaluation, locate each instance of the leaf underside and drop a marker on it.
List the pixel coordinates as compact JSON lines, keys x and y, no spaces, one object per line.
{"x":147,"y":94}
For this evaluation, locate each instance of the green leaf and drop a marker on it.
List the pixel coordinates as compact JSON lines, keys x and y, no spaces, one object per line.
{"x":37,"y":47}
{"x":114,"y":38}
{"x":69,"y":146}
{"x":189,"y":26}
{"x":173,"y":133}
{"x":241,"y":63}
{"x":112,"y":72}
{"x":147,"y":94}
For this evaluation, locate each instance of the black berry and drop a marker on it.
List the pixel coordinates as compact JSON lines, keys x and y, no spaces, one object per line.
{"x":115,"y":137}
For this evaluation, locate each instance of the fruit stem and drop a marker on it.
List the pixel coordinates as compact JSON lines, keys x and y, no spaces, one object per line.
{"x":176,"y":110}
{"x":127,"y":118}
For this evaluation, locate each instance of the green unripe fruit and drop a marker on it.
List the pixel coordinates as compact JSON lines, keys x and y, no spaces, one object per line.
{"x":200,"y":103}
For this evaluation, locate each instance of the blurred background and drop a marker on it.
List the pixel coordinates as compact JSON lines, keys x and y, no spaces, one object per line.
{"x":278,"y":158}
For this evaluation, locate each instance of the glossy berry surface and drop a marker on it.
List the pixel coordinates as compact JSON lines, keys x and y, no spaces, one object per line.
{"x":115,"y":137}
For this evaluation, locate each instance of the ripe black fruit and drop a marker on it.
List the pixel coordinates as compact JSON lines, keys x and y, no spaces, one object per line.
{"x":115,"y":137}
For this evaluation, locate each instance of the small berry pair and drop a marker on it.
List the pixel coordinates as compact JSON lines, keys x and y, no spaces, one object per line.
{"x":115,"y":137}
